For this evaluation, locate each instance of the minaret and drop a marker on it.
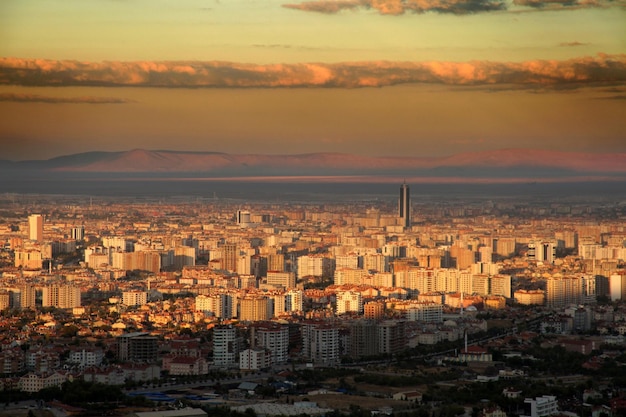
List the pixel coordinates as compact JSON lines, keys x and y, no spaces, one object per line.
{"x":461,"y":313}
{"x":404,"y":206}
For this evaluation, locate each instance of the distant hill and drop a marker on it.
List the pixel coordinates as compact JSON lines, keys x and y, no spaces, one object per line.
{"x":507,"y":163}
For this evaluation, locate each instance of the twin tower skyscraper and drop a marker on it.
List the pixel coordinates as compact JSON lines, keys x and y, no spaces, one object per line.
{"x":404,"y":206}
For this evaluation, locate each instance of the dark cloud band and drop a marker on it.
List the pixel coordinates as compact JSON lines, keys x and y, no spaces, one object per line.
{"x":36,"y":98}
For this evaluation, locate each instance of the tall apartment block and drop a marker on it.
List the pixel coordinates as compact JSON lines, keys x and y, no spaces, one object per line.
{"x":35,"y":227}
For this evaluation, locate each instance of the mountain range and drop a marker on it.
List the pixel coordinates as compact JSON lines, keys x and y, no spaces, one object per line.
{"x":508,"y":163}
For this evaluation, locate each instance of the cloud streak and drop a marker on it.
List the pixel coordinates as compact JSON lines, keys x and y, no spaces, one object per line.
{"x":460,"y":7}
{"x":572,"y":44}
{"x":552,"y":5}
{"x":585,"y":71}
{"x":328,"y":7}
{"x":36,"y":98}
{"x":398,"y":7}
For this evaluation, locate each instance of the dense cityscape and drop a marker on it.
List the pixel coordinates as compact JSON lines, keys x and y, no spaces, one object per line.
{"x":476,"y":306}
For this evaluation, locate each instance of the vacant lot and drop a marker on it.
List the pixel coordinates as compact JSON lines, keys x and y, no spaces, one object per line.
{"x":24,"y":413}
{"x":343,"y":401}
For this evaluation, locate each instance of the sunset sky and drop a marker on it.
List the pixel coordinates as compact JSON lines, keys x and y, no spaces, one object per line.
{"x":371,"y":77}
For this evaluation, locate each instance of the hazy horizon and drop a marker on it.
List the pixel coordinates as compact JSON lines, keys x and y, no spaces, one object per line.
{"x":296,"y":191}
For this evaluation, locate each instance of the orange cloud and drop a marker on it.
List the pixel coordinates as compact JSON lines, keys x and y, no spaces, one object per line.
{"x":585,"y":71}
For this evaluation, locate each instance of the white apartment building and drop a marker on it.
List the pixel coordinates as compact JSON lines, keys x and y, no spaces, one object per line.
{"x":530,"y":297}
{"x":349,"y":301}
{"x":35,"y":227}
{"x":86,"y":358}
{"x":313,"y":265}
{"x":117,"y":243}
{"x":225,"y":346}
{"x":134,"y":298}
{"x":541,"y":406}
{"x":500,"y":284}
{"x":254,"y":359}
{"x":320,"y":342}
{"x":349,"y":276}
{"x":286,"y":280}
{"x":562,"y":291}
{"x":60,"y":296}
{"x":347,"y":261}
{"x":428,"y":312}
{"x":383,"y":279}
{"x":294,"y":300}
{"x":542,"y":251}
{"x":33,"y":383}
{"x":275,"y":338}
{"x":218,"y":305}
{"x":376,"y":262}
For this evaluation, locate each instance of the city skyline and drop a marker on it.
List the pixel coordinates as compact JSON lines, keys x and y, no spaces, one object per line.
{"x":384,"y":78}
{"x":177,"y":291}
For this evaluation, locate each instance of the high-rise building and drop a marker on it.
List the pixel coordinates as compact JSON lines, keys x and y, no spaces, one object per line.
{"x":225,"y":346}
{"x":541,"y":406}
{"x":254,"y":359}
{"x":376,"y":262}
{"x":425,"y":311}
{"x":314,"y":265}
{"x":28,"y":296}
{"x":242,"y":217}
{"x":504,"y":246}
{"x":230,"y":252}
{"x":273,"y":337}
{"x":562,"y":291}
{"x":404,"y":206}
{"x":254,"y":309}
{"x":617,"y":287}
{"x":137,"y":347}
{"x":143,"y":260}
{"x":28,"y":258}
{"x":349,"y":301}
{"x":320,"y":342}
{"x":35,"y":227}
{"x":134,"y":298}
{"x":77,"y":233}
{"x":530,"y":297}
{"x":391,"y":336}
{"x":374,"y":310}
{"x":486,"y":254}
{"x":276,"y":262}
{"x":244,"y":265}
{"x":294,"y":300}
{"x":60,"y":296}
{"x":363,"y":338}
{"x":5,"y":299}
{"x":500,"y":285}
{"x":217,"y":305}
{"x":542,"y":251}
{"x":117,"y":243}
{"x":286,"y":280}
{"x":184,"y":256}
{"x":349,"y":276}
